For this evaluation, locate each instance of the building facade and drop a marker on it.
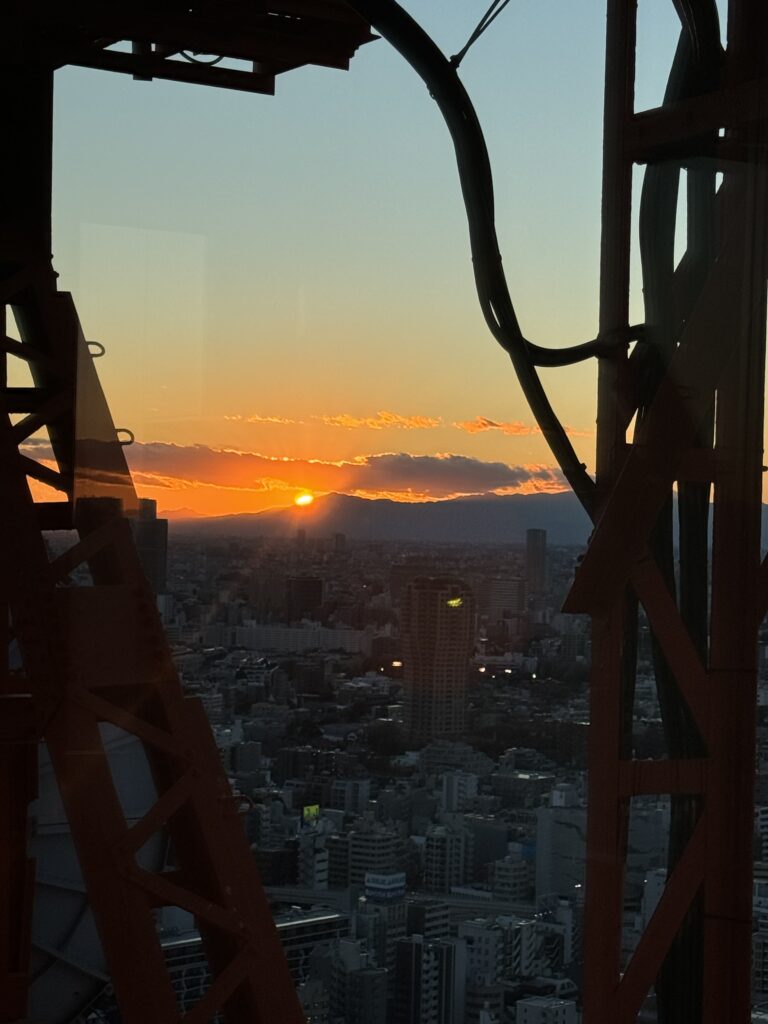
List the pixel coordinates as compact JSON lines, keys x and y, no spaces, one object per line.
{"x":437,"y":626}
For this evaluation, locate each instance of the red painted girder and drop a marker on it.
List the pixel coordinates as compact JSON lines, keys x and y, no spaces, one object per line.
{"x":607,"y":819}
{"x":682,"y":400}
{"x":645,"y":964}
{"x":672,"y":634}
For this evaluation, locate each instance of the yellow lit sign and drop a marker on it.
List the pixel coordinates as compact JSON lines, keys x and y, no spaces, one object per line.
{"x":311,"y":814}
{"x":455,"y":602}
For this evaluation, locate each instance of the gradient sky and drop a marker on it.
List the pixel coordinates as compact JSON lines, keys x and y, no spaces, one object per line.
{"x":283,"y":284}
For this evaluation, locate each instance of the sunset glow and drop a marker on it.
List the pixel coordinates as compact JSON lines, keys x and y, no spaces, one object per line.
{"x":268,"y":343}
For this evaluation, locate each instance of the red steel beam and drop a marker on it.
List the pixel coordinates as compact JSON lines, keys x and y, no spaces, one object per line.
{"x":98,"y":654}
{"x":722,"y":351}
{"x":608,"y":811}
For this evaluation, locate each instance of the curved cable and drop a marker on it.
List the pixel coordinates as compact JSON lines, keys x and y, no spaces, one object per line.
{"x":568,"y":356}
{"x":440,"y":77}
{"x":487,"y":19}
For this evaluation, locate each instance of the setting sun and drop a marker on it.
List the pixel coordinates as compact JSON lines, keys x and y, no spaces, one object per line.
{"x":304,"y":499}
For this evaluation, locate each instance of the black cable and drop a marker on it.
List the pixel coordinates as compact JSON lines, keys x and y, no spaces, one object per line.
{"x":572,"y":354}
{"x":440,"y":77}
{"x":487,"y":19}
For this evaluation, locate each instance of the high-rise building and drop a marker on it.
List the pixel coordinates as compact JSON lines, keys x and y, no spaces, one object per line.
{"x":338,"y":860}
{"x":312,"y":857}
{"x":511,"y":878}
{"x":437,"y":624}
{"x":380,"y":917}
{"x":369,"y":847}
{"x":303,"y":931}
{"x":372,"y":848}
{"x":458,"y":790}
{"x":150,"y":535}
{"x":430,"y":984}
{"x":501,"y":603}
{"x":315,"y":1002}
{"x":485,"y":960}
{"x":561,"y":836}
{"x":448,"y":857}
{"x":429,"y":918}
{"x":367,"y":996}
{"x":357,"y":988}
{"x":532,"y":947}
{"x":486,"y":950}
{"x":350,"y":795}
{"x":536,"y":561}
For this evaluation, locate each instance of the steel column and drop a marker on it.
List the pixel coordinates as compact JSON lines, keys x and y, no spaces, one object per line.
{"x":718,"y":357}
{"x":97,"y":653}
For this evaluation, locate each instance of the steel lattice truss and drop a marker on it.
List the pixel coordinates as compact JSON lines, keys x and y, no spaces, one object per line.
{"x":252,"y":41}
{"x":693,"y":385}
{"x":696,"y":383}
{"x":98,"y":654}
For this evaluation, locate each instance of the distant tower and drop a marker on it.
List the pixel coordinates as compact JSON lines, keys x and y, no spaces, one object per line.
{"x":501,"y":602}
{"x":151,"y":538}
{"x":437,"y":625}
{"x":536,"y":561}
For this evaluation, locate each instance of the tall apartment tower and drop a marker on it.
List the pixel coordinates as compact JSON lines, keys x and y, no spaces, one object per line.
{"x":536,"y":561}
{"x":430,"y":981}
{"x":437,"y":626}
{"x":150,"y":535}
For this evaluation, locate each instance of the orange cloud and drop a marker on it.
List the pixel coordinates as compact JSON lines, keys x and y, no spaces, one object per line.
{"x":256,"y":418}
{"x":215,"y":480}
{"x":482,"y":423}
{"x":438,"y":475}
{"x":515,"y":428}
{"x":381,"y":421}
{"x":413,"y":477}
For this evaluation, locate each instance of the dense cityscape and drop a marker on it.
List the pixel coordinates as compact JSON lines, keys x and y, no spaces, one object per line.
{"x":404,"y":727}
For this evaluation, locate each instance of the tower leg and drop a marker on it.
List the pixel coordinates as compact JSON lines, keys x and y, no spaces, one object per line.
{"x":97,"y":653}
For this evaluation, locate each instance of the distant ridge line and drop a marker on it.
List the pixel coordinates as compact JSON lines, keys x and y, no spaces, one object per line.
{"x":492,"y":519}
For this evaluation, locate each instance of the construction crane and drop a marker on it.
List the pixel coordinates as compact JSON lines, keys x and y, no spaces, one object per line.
{"x":690,"y":378}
